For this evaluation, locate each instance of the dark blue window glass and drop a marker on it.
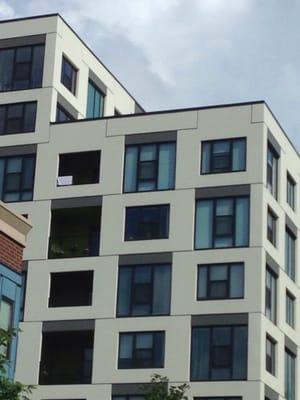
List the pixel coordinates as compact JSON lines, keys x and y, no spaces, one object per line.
{"x":144,"y":290}
{"x":147,"y":222}
{"x":17,"y":118}
{"x":222,"y":222}
{"x":141,"y":350}
{"x":223,"y":156}
{"x":290,"y":375}
{"x":219,"y":353}
{"x":62,"y":114}
{"x":150,"y":167}
{"x":21,"y":67}
{"x":68,"y":75}
{"x":95,"y":101}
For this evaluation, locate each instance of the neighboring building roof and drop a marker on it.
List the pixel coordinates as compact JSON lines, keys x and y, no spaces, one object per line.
{"x":13,"y":225}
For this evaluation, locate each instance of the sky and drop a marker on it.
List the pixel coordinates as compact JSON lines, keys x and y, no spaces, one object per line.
{"x":190,"y":53}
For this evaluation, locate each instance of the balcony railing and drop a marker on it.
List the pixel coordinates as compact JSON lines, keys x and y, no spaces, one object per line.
{"x":69,"y":246}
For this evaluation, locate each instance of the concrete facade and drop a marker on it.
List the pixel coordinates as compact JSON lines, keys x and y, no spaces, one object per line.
{"x":110,"y":135}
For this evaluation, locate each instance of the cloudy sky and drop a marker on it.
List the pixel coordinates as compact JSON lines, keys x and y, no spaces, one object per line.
{"x":183,"y":53}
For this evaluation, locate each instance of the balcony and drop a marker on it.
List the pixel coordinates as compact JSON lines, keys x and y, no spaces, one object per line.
{"x":79,"y":168}
{"x":66,"y":358}
{"x":75,"y":232}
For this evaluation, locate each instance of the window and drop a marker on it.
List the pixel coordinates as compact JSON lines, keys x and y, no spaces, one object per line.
{"x":290,"y":309}
{"x":290,"y":191}
{"x":66,"y":357}
{"x":219,"y":353}
{"x":271,"y":227}
{"x":131,"y":397}
{"x":147,"y":222}
{"x":95,"y":101}
{"x":290,"y":254}
{"x":17,"y":118}
{"x":141,"y":350}
{"x":272,"y":170}
{"x":223,"y":156}
{"x":79,"y":168}
{"x":220,"y":281}
{"x":271,"y":295}
{"x":144,"y":290}
{"x":6,"y":321}
{"x":62,"y":114}
{"x":17,"y":178}
{"x":222,"y":222}
{"x":68,"y":75}
{"x":290,"y":375}
{"x":218,"y":398}
{"x":150,"y":167}
{"x":71,"y":289}
{"x":270,"y":355}
{"x":21,"y":67}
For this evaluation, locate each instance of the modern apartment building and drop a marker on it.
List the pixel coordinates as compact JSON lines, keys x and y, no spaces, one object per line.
{"x":162,"y":242}
{"x":13,"y":231}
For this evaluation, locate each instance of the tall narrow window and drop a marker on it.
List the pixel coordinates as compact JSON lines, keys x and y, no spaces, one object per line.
{"x":272,"y":170}
{"x":271,"y":295}
{"x":68,"y":75}
{"x":17,"y":118}
{"x":219,"y":353}
{"x":219,"y":156}
{"x":290,"y":309}
{"x":17,"y":178}
{"x":144,"y":290}
{"x":222,"y":222}
{"x":271,"y":227}
{"x":270,"y":355}
{"x":95,"y":101}
{"x":220,"y":281}
{"x":149,"y":167}
{"x":6,"y":316}
{"x":290,"y":254}
{"x":21,"y":67}
{"x":290,"y":375}
{"x":290,"y":191}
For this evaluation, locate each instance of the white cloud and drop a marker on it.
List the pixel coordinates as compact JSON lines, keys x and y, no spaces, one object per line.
{"x":6,"y":11}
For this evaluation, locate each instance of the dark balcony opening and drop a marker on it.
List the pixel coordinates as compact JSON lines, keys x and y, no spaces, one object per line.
{"x":79,"y":168}
{"x":75,"y":232}
{"x":71,"y":289}
{"x":67,"y":358}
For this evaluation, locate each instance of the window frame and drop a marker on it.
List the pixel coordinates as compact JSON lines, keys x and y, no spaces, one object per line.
{"x":229,"y":266}
{"x":214,"y":201}
{"x":289,"y":354}
{"x":20,"y":191}
{"x":97,"y":89}
{"x":271,"y":214}
{"x":291,"y":191}
{"x":137,"y":180}
{"x":74,"y":79}
{"x":273,"y":186}
{"x":134,"y":358}
{"x":212,"y":143}
{"x":272,"y":356}
{"x":60,"y":108}
{"x":274,"y":278}
{"x":290,"y":299}
{"x":11,"y":322}
{"x":14,"y":62}
{"x":131,"y":303}
{"x":140,"y":207}
{"x":210,"y":352}
{"x":6,"y":119}
{"x":290,"y":267}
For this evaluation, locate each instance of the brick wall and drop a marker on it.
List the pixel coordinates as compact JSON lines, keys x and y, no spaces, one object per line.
{"x":11,"y":253}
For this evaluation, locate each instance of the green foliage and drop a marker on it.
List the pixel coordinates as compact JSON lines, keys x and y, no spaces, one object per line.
{"x":160,"y":389}
{"x":10,"y":390}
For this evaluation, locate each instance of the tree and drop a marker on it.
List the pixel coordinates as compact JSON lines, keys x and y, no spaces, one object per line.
{"x":10,"y":390}
{"x":161,"y":390}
